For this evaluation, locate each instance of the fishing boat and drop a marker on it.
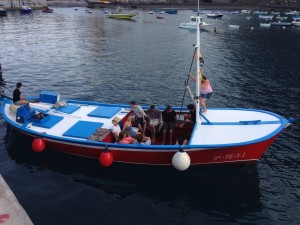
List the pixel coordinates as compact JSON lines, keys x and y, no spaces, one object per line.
{"x":233,"y":26}
{"x":193,"y":23}
{"x":83,"y":128}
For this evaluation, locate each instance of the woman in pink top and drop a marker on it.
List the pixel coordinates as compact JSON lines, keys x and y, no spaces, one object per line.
{"x":122,"y":139}
{"x":205,"y":90}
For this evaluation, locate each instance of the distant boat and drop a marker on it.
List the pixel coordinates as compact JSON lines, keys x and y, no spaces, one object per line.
{"x":292,"y":13}
{"x":160,"y":17}
{"x":260,"y":12}
{"x":234,"y":26}
{"x":46,"y":9}
{"x":171,"y":11}
{"x":279,"y":23}
{"x":296,"y":22}
{"x":275,"y":13}
{"x":265,"y":24}
{"x":281,"y":17}
{"x":245,"y":11}
{"x":2,"y":11}
{"x":25,"y":9}
{"x":119,"y":15}
{"x":214,"y":15}
{"x":193,"y":24}
{"x":89,"y":11}
{"x":266,"y":17}
{"x":126,"y":16}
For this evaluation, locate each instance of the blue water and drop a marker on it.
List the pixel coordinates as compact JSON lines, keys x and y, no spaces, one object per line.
{"x":89,"y":57}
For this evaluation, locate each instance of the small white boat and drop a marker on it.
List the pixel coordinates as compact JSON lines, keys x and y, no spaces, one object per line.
{"x":266,"y":17}
{"x":234,"y":26}
{"x":281,"y":17}
{"x":260,"y":12}
{"x":193,"y":24}
{"x":265,"y":24}
{"x":283,"y":24}
{"x":245,"y":11}
{"x":275,"y":13}
{"x":25,"y":9}
{"x":293,"y":13}
{"x":296,"y":22}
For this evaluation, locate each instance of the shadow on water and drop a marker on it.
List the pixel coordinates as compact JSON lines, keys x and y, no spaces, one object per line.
{"x":208,"y":189}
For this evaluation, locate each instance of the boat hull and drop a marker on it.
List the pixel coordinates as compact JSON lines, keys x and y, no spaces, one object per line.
{"x":121,"y":16}
{"x":243,"y":154}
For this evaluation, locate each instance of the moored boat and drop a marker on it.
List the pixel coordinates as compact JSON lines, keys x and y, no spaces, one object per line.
{"x":25,"y":9}
{"x":296,"y":22}
{"x":266,"y":17}
{"x":280,"y":23}
{"x":233,"y":26}
{"x":171,"y":11}
{"x":193,"y":23}
{"x":83,"y":128}
{"x":265,"y":24}
{"x":214,"y":15}
{"x":126,"y":16}
{"x":46,"y":9}
{"x":2,"y":11}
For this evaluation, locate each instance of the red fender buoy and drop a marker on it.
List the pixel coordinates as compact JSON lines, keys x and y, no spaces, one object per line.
{"x":106,"y":158}
{"x":38,"y":145}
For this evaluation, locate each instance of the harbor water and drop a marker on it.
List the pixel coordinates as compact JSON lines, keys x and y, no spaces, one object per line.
{"x":87,"y":56}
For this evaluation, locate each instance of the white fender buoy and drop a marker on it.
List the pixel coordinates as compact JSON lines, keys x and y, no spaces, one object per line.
{"x":181,"y":160}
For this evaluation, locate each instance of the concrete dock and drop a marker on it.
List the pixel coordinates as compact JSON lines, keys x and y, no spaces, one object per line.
{"x":11,"y":212}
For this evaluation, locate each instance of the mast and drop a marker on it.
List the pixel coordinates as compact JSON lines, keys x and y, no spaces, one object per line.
{"x":197,"y":46}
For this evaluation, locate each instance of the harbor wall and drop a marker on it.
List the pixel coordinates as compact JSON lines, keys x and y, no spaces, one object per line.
{"x":15,"y":4}
{"x":11,"y":212}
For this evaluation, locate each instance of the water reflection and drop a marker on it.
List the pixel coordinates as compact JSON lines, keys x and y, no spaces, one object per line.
{"x":205,"y":189}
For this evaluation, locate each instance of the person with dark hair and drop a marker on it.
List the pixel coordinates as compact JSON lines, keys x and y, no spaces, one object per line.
{"x":141,"y":117}
{"x":190,"y":119}
{"x":17,"y":98}
{"x":154,"y":116}
{"x":169,"y":119}
{"x":205,"y":90}
{"x":181,"y":140}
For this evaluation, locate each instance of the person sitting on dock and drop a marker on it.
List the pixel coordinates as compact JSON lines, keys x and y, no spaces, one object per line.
{"x":17,"y":98}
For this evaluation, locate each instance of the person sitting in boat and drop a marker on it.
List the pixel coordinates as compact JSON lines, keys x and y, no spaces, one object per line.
{"x":122,"y":139}
{"x":181,"y":140}
{"x":205,"y":90}
{"x":116,"y":128}
{"x":142,"y":140}
{"x":154,"y":116}
{"x":127,"y":126}
{"x":170,"y":120}
{"x":189,"y":119}
{"x":17,"y":98}
{"x":141,"y":117}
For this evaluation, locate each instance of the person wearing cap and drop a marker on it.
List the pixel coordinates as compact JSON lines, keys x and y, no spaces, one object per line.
{"x":141,"y":117}
{"x":154,"y":116}
{"x":17,"y":98}
{"x":115,"y":129}
{"x":169,"y":119}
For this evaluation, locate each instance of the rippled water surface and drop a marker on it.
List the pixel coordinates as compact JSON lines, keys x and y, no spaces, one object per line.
{"x":89,"y":57}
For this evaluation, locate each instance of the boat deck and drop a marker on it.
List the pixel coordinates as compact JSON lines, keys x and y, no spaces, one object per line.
{"x":219,"y":127}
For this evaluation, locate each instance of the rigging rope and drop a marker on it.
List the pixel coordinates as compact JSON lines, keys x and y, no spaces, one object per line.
{"x":187,"y":81}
